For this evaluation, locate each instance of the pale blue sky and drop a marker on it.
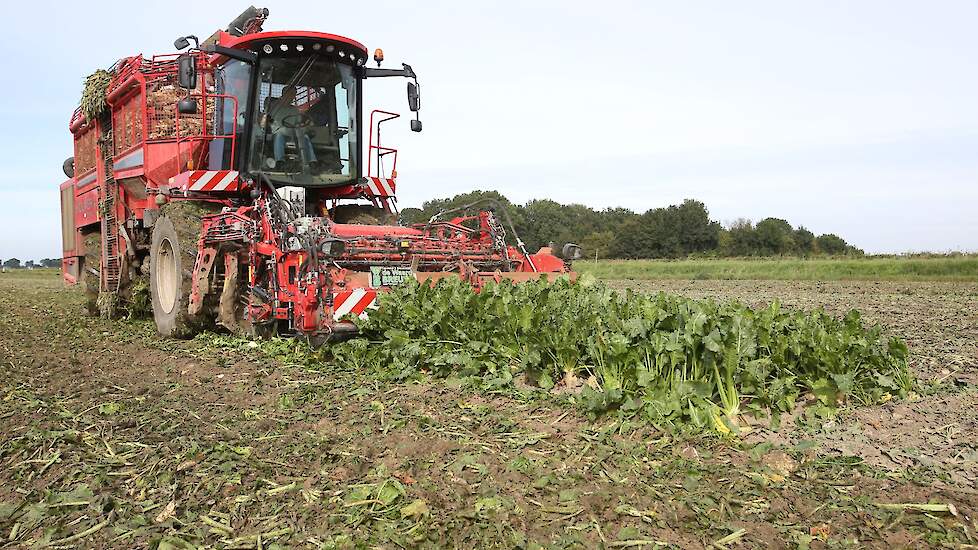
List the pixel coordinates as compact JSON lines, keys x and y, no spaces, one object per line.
{"x":859,"y":118}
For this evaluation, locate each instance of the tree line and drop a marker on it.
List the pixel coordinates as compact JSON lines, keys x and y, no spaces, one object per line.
{"x":14,"y":263}
{"x":670,"y":232}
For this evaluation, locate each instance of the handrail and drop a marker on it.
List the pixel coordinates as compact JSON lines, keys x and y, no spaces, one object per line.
{"x":123,"y":77}
{"x":204,"y":136}
{"x":381,"y":151}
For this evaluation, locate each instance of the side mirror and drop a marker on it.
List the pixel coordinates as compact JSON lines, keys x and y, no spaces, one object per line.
{"x":415,"y":125}
{"x":184,"y":41}
{"x":414,"y":97}
{"x":571,"y":251}
{"x":187,"y":72}
{"x":187,"y":106}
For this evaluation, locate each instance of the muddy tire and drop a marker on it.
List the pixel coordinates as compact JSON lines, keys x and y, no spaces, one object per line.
{"x":90,"y":270}
{"x":359,"y":214}
{"x":173,"y":251}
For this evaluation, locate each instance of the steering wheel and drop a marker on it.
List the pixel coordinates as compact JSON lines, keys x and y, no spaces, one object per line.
{"x":295,"y":121}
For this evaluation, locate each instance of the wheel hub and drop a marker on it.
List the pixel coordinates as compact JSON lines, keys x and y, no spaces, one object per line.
{"x":166,"y":276}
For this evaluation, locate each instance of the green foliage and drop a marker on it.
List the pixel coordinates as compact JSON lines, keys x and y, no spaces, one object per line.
{"x":598,"y":244}
{"x":804,"y":241}
{"x":94,"y":92}
{"x":740,"y":239}
{"x":139,"y":304}
{"x":677,"y":362}
{"x":668,"y":232}
{"x":831,"y":244}
{"x":774,"y":237}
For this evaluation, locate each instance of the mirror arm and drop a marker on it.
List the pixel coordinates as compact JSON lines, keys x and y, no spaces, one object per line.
{"x":240,"y":55}
{"x":405,"y":71}
{"x":370,"y":72}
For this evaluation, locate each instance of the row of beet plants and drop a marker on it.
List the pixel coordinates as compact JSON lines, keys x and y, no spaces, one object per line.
{"x":678,"y":362}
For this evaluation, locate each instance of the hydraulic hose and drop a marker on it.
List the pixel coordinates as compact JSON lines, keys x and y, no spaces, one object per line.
{"x":493,"y":202}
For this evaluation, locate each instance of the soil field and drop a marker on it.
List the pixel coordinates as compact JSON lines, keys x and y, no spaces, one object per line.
{"x":113,"y":438}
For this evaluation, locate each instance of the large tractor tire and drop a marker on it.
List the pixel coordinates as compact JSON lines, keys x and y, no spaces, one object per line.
{"x":91,"y":269}
{"x":173,"y":251}
{"x":360,"y":214}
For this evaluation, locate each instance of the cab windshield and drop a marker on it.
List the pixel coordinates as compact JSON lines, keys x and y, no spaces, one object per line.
{"x":305,"y":121}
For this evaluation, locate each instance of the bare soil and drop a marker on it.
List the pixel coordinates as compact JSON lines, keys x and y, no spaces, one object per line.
{"x":113,"y":438}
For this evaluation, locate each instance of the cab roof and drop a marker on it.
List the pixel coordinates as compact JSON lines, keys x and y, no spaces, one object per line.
{"x":241,"y":42}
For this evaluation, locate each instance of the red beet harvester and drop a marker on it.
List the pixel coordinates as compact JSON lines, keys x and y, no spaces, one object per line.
{"x":230,"y":180}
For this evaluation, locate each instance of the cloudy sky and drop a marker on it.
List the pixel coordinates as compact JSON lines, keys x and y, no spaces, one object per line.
{"x":859,"y":118}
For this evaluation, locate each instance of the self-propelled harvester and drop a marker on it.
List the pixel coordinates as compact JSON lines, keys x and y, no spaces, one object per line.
{"x":233,"y":179}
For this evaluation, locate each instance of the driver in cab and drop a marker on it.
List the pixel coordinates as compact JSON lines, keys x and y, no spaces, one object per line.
{"x":287,"y":123}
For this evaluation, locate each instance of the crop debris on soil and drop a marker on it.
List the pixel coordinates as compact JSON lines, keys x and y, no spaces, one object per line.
{"x":116,"y":438}
{"x":674,"y":361}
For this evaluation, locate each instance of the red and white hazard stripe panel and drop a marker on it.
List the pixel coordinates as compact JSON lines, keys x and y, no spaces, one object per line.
{"x":381,"y":187}
{"x":212,"y":180}
{"x":356,"y":301}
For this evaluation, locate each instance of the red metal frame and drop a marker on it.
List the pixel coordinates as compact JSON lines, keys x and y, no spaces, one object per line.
{"x":204,"y":136}
{"x":241,"y":42}
{"x":304,"y":297}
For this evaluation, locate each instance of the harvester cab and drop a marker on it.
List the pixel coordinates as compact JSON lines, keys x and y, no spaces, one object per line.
{"x":292,"y":101}
{"x":235,"y":176}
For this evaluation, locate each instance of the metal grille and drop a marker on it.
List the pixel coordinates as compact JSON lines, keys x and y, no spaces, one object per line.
{"x":266,"y":91}
{"x":85,"y":152}
{"x":162,"y":95}
{"x":305,"y":96}
{"x":127,"y":126}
